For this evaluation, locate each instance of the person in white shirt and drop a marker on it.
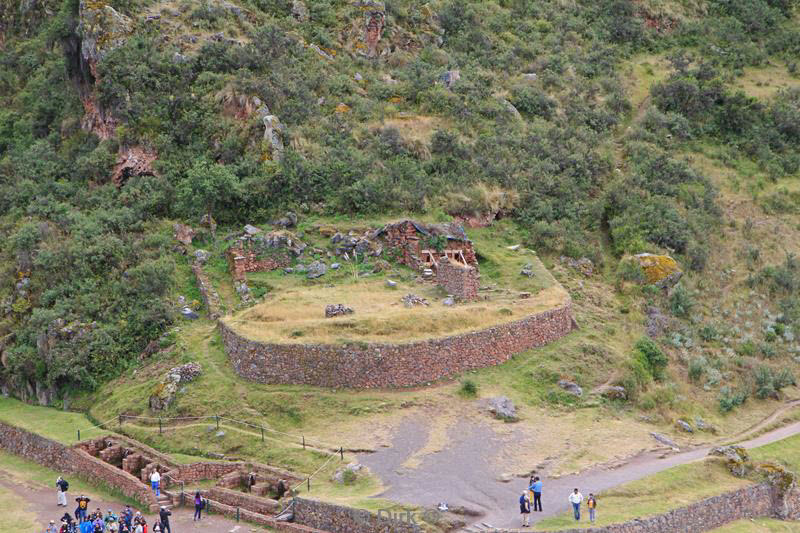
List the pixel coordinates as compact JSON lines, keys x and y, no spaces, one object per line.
{"x":155,"y":479}
{"x":575,"y":499}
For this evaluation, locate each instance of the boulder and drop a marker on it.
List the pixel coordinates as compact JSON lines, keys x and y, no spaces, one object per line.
{"x":449,"y":78}
{"x":570,"y":387}
{"x":188,"y":313}
{"x":289,"y":220}
{"x":251,"y":230}
{"x":335,"y":266}
{"x":183,"y":233}
{"x":449,"y":301}
{"x":685,"y":426}
{"x":527,"y":270}
{"x":202,"y":256}
{"x":736,"y":458}
{"x":584,"y":265}
{"x":317,"y":269}
{"x":660,"y":270}
{"x":411,"y":300}
{"x":381,"y":266}
{"x":502,"y":408}
{"x":273,"y":137}
{"x":300,"y":11}
{"x":391,"y":284}
{"x":663,"y":439}
{"x":615,"y":392}
{"x":510,"y":108}
{"x":164,"y":393}
{"x":347,"y":475}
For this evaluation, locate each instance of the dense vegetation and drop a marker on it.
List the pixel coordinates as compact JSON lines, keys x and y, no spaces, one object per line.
{"x":86,"y":264}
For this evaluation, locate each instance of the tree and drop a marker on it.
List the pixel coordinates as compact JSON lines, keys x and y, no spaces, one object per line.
{"x":208,"y":187}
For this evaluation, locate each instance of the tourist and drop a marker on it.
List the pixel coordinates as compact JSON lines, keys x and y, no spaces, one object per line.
{"x":52,"y":527}
{"x":127,"y":516}
{"x":86,"y":526}
{"x":155,"y":479}
{"x":251,"y":480}
{"x":138,"y":528}
{"x":537,"y":494}
{"x":525,"y":507}
{"x":156,"y":527}
{"x":124,"y":528}
{"x":198,"y":505}
{"x":164,"y":515}
{"x":83,"y":507}
{"x":575,"y":499}
{"x":591,"y":503}
{"x":111,"y":518}
{"x":64,"y":527}
{"x":282,"y":488}
{"x":99,"y":525}
{"x":62,"y":486}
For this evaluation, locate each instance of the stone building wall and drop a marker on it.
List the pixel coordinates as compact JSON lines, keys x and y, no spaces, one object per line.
{"x":761,"y":500}
{"x":372,"y":365}
{"x":409,"y":243}
{"x":340,"y":519}
{"x":459,"y":280}
{"x":242,"y":261}
{"x":242,"y":500}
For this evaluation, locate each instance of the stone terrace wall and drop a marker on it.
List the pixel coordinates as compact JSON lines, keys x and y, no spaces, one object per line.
{"x":52,"y":454}
{"x":207,"y":291}
{"x":235,"y":498}
{"x":372,"y":365}
{"x":339,"y":519}
{"x":760,"y":500}
{"x":459,"y":280}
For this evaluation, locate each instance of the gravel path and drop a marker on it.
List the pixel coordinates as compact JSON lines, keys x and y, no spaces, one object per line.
{"x":463,"y":474}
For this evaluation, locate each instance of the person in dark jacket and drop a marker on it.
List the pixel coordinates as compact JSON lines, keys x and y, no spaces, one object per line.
{"x":164,"y":515}
{"x":83,"y":508}
{"x":525,"y":507}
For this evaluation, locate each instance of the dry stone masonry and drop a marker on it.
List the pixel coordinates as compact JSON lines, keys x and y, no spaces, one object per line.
{"x":462,"y":281}
{"x":380,"y":365}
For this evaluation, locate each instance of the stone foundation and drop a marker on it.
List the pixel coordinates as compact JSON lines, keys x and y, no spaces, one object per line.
{"x":461,"y":281}
{"x":378,"y":365}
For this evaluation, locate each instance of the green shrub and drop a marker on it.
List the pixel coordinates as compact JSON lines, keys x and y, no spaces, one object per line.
{"x":697,"y":367}
{"x":729,"y":399}
{"x":468,"y":388}
{"x":681,"y":302}
{"x":653,"y":358}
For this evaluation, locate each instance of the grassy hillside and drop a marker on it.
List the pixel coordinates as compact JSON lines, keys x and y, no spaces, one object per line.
{"x":584,"y":129}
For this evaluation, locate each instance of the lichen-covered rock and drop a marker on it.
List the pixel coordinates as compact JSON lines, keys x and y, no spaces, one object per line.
{"x":273,"y":137}
{"x":570,"y":387}
{"x":164,"y":393}
{"x":102,"y":28}
{"x":736,"y":457}
{"x":660,"y":270}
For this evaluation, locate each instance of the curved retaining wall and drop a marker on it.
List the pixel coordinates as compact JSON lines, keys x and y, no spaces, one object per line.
{"x":376,"y":365}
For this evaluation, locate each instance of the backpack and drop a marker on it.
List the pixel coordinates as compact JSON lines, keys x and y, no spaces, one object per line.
{"x":203,"y":503}
{"x":64,"y":485}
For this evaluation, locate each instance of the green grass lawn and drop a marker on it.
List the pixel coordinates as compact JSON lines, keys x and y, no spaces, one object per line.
{"x":785,"y":452}
{"x":670,"y":489}
{"x":61,"y":426}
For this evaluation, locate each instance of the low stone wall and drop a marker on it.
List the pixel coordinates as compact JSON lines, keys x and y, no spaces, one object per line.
{"x":207,"y":291}
{"x":762,"y":500}
{"x":235,"y":498}
{"x":461,"y":281}
{"x":377,"y":365}
{"x":52,"y":454}
{"x":340,"y":519}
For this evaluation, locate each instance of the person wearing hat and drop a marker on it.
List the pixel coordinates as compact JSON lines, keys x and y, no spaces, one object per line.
{"x":164,"y":515}
{"x":127,"y":516}
{"x":62,"y":485}
{"x":83,"y":507}
{"x":52,"y":527}
{"x":525,"y":507}
{"x":111,"y":518}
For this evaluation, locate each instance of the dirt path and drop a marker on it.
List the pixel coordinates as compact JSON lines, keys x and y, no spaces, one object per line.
{"x":463,"y":473}
{"x":41,"y":501}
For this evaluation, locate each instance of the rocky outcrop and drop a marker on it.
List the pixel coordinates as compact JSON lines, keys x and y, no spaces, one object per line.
{"x":165,"y":392}
{"x":102,"y":28}
{"x":660,"y":270}
{"x":273,"y":136}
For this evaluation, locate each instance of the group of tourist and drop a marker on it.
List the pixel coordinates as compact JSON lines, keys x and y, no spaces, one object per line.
{"x":532,"y":497}
{"x":85,"y":521}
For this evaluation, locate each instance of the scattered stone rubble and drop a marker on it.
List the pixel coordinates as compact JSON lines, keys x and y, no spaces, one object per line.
{"x":410,"y":300}
{"x":334,"y":310}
